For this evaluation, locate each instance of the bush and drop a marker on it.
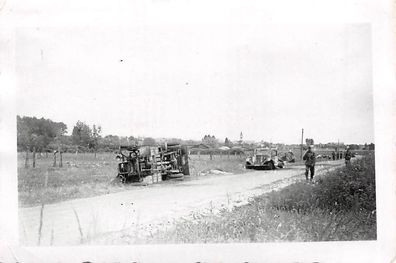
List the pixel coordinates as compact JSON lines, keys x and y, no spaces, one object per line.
{"x":348,"y":188}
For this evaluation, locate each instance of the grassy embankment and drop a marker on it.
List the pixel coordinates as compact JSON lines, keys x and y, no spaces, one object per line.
{"x":83,"y":175}
{"x":339,"y":206}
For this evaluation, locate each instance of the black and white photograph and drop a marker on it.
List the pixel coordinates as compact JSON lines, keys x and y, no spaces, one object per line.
{"x":175,"y":124}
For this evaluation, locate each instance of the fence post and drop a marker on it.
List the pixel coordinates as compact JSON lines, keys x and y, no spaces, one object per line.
{"x":34,"y":157}
{"x":60,"y":159}
{"x":27,"y":158}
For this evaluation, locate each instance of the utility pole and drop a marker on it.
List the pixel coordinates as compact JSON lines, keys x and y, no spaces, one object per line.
{"x":302,"y":142}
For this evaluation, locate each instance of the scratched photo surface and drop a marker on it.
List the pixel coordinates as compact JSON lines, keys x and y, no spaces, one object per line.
{"x":198,"y":133}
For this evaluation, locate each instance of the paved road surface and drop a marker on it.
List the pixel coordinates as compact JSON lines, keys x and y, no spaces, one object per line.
{"x":88,"y":219}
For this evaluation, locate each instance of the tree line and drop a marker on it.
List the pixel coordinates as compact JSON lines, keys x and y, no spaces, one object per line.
{"x":44,"y":135}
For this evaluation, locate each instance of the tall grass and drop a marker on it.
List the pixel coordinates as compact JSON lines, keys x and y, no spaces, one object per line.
{"x":339,"y":206}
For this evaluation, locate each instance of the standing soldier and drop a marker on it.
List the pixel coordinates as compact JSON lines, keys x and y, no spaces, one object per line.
{"x":348,"y":156}
{"x":310,"y":159}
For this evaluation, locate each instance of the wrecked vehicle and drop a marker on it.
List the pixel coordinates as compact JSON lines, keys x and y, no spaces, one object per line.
{"x":137,"y":162}
{"x":264,"y":159}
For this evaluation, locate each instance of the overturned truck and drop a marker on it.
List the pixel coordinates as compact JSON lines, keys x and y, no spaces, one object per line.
{"x":165,"y":162}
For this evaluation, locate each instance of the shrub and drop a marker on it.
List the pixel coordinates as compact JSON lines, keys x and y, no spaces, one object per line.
{"x":344,"y":189}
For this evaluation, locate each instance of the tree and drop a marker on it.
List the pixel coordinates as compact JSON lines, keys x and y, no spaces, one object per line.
{"x":210,"y":140}
{"x":110,"y":142}
{"x":227,"y":142}
{"x":175,"y":140}
{"x":124,"y":141}
{"x":82,"y":134}
{"x":191,"y":142}
{"x":265,"y":144}
{"x":33,"y":133}
{"x":354,"y":147}
{"x":309,"y":141}
{"x":132,"y":141}
{"x":96,"y":135}
{"x":149,"y":141}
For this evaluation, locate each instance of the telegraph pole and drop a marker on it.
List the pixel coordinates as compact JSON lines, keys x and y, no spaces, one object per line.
{"x":302,"y":142}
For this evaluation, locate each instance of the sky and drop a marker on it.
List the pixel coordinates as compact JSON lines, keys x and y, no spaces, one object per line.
{"x":178,"y":80}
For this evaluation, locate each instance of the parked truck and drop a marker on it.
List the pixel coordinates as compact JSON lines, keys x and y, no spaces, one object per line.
{"x":264,"y":159}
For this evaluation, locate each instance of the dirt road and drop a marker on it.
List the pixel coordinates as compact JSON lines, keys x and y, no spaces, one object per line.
{"x":144,"y":209}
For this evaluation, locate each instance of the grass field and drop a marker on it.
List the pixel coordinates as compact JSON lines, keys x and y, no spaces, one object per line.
{"x":83,"y":175}
{"x":339,"y":206}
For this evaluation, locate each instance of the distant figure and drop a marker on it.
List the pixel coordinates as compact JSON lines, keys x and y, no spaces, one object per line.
{"x":333,"y":155}
{"x":310,"y":159}
{"x":348,"y":156}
